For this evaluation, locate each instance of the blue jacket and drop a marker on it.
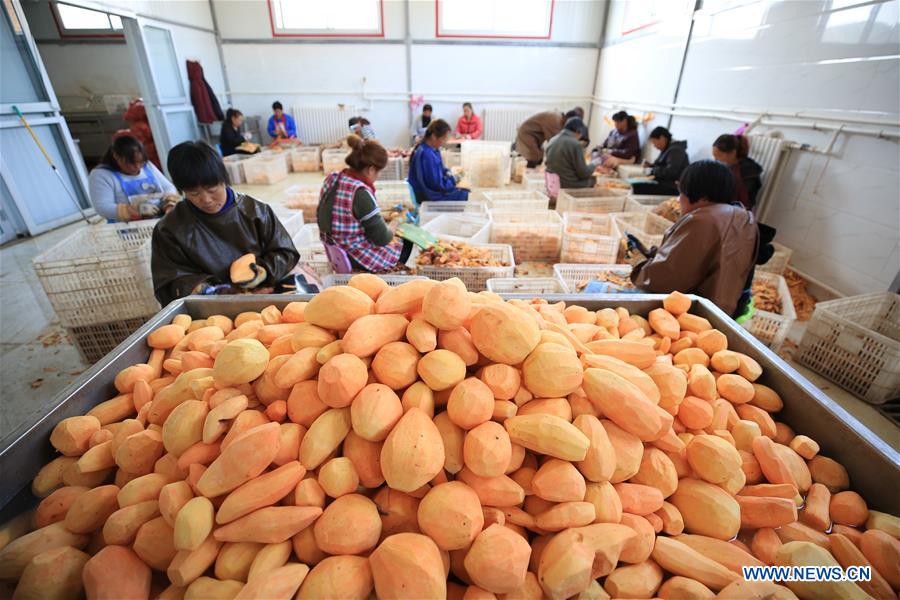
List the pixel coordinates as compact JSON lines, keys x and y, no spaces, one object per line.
{"x":430,"y":180}
{"x":289,"y":125}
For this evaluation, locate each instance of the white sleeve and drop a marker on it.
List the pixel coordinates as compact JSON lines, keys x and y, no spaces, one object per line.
{"x":164,"y":183}
{"x":102,"y":188}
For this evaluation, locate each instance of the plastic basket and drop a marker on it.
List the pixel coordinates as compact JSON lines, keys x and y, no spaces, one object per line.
{"x":333,"y":159}
{"x":265,"y":169}
{"x":534,"y":180}
{"x":535,"y":235}
{"x":574,"y":276}
{"x":645,"y":226}
{"x":304,"y":198}
{"x":234,"y":164}
{"x":629,"y":171}
{"x":393,"y":171}
{"x":428,"y":211}
{"x":519,"y":165}
{"x":613,"y":183}
{"x":486,"y":164}
{"x":451,"y":158}
{"x":644,"y":203}
{"x":768,"y":327}
{"x":305,"y":159}
{"x":392,"y":193}
{"x":589,"y":238}
{"x":100,"y":274}
{"x":779,"y":261}
{"x":291,"y":218}
{"x":312,"y":250}
{"x":525,"y":285}
{"x":342,"y":279}
{"x":475,"y":278}
{"x":855,"y":342}
{"x":590,"y":200}
{"x":282,"y":152}
{"x":516,"y":199}
{"x":461,"y":227}
{"x":96,"y":341}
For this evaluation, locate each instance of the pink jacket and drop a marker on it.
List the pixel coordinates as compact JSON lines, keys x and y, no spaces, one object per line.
{"x":471,"y":127}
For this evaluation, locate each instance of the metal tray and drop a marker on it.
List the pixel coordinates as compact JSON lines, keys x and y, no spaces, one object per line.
{"x":874,"y":466}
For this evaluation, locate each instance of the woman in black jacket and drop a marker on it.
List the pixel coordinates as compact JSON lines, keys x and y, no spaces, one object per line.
{"x":231,"y":137}
{"x":734,"y":150}
{"x":667,"y":168}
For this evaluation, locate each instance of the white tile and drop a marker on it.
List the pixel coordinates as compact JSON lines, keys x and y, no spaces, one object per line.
{"x":855,"y":242}
{"x":867,"y":193}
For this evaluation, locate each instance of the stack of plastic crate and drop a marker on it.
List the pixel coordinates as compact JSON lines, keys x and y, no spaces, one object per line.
{"x":486,"y":164}
{"x":312,"y":250}
{"x":333,"y":159}
{"x":535,"y":235}
{"x":591,"y":200}
{"x":589,"y":238}
{"x":304,"y":198}
{"x":305,"y":159}
{"x":265,"y":169}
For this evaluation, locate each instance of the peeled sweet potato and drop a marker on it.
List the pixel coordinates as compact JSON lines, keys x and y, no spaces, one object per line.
{"x":116,"y":572}
{"x":270,"y":525}
{"x":374,"y":412}
{"x":15,"y":556}
{"x":498,"y":560}
{"x":503,"y":333}
{"x":339,"y":577}
{"x":408,"y":565}
{"x":244,"y":459}
{"x":548,"y":434}
{"x":471,"y":403}
{"x":332,"y":534}
{"x":282,"y":582}
{"x":55,"y":573}
{"x":450,"y":514}
{"x":707,"y":509}
{"x":336,"y":308}
{"x":413,"y":452}
{"x":341,"y":379}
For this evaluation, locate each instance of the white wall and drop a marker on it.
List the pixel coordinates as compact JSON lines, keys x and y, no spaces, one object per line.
{"x":840,"y":213}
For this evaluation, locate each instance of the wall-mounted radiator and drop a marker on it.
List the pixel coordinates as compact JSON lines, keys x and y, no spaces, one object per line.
{"x":771,"y":154}
{"x":323,"y":124}
{"x":501,"y":124}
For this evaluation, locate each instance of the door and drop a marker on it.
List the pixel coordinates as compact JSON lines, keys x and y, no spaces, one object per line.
{"x":162,"y":79}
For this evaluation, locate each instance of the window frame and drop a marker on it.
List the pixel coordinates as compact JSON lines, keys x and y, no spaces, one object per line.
{"x":438,"y":34}
{"x":65,"y":33}
{"x":300,"y":33}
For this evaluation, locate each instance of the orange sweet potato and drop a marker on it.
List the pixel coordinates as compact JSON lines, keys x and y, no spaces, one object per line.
{"x":395,"y":365}
{"x":565,"y":515}
{"x":829,"y":473}
{"x":679,"y":558}
{"x":848,"y":508}
{"x":332,"y":534}
{"x":624,"y":404}
{"x":374,"y":412}
{"x":116,"y":572}
{"x":487,"y":449}
{"x":471,"y":403}
{"x":270,"y":525}
{"x":122,"y":526}
{"x":765,"y":545}
{"x":91,"y":509}
{"x":558,"y":481}
{"x":498,"y":560}
{"x":441,"y":369}
{"x":324,"y":435}
{"x":304,"y":405}
{"x":413,"y":452}
{"x":548,"y":434}
{"x":639,"y":499}
{"x":847,"y":554}
{"x":707,"y":509}
{"x":341,"y":379}
{"x":503,"y":380}
{"x":446,"y":305}
{"x":336,"y":308}
{"x":17,"y":554}
{"x":300,"y":366}
{"x":503,"y":333}
{"x":713,"y":458}
{"x":55,"y":573}
{"x":552,"y":371}
{"x":422,"y":335}
{"x":338,"y":577}
{"x":499,"y":491}
{"x":760,"y":511}
{"x":247,"y":456}
{"x":72,"y":436}
{"x":770,"y":461}
{"x":451,"y":515}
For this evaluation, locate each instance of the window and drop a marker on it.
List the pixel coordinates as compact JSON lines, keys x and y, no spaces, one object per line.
{"x":331,"y":18}
{"x":76,"y":21}
{"x":532,"y":19}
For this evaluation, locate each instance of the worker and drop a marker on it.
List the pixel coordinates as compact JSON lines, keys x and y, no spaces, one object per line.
{"x":230,"y":137}
{"x":667,"y":167}
{"x":348,"y":215}
{"x":469,"y":125}
{"x":417,"y":131}
{"x":430,"y":179}
{"x":361,"y":127}
{"x":539,"y":128}
{"x":711,"y":250}
{"x":125,"y":186}
{"x":194,"y":245}
{"x":281,"y":125}
{"x":621,"y":146}
{"x":565,"y":156}
{"x":733,"y":150}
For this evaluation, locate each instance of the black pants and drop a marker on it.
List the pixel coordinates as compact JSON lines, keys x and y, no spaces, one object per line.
{"x":654,"y":189}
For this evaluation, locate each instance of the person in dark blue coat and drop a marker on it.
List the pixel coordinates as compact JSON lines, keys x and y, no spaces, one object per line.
{"x":429,"y":178}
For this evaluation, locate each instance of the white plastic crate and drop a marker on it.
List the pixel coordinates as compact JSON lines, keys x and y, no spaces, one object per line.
{"x":393,"y":171}
{"x":265,"y":169}
{"x":312,"y":250}
{"x":525,"y":285}
{"x":291,"y":218}
{"x":516,"y":199}
{"x":97,"y":340}
{"x":305,"y":159}
{"x":575,"y":277}
{"x":589,"y":238}
{"x":855,"y":342}
{"x":100,"y":274}
{"x":629,"y":171}
{"x":234,"y":164}
{"x":534,"y":180}
{"x":461,"y":227}
{"x":282,"y":152}
{"x":640,"y":203}
{"x":391,"y":193}
{"x":535,"y":235}
{"x":333,"y":159}
{"x":475,"y":278}
{"x":768,"y":327}
{"x":486,"y":163}
{"x":342,"y":279}
{"x":519,"y":165}
{"x":649,"y":228}
{"x":590,"y":200}
{"x":451,"y":158}
{"x":613,"y":183}
{"x":304,"y":198}
{"x":779,"y":261}
{"x":428,"y":211}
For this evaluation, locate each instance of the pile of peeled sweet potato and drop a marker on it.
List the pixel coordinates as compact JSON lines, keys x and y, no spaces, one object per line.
{"x":423,"y":441}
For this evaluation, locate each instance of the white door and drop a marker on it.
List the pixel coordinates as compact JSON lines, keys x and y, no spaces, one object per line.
{"x":162,"y":79}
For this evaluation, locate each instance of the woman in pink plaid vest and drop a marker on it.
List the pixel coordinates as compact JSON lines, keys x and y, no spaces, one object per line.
{"x":348,"y":214}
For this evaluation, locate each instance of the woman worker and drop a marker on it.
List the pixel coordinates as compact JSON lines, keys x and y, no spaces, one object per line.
{"x":417,"y":131}
{"x":348,"y":215}
{"x":711,"y":250}
{"x":469,"y":125}
{"x":539,"y":128}
{"x":621,"y":146}
{"x":194,"y":245}
{"x":281,"y":125}
{"x":430,"y":179}
{"x":565,"y":156}
{"x":231,"y":138}
{"x":125,"y":186}
{"x":733,"y":151}
{"x":668,"y":166}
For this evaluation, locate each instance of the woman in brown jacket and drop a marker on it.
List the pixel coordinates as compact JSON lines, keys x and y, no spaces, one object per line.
{"x":539,"y":128}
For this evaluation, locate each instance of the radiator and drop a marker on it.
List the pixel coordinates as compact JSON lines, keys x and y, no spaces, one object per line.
{"x":771,"y":154}
{"x":323,"y":124}
{"x":501,"y":124}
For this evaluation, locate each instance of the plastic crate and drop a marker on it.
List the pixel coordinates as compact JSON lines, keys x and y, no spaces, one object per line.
{"x":768,"y":327}
{"x":645,"y":226}
{"x":391,"y":193}
{"x":100,"y":274}
{"x":333,"y":159}
{"x":312,"y":250}
{"x":282,"y":151}
{"x":613,"y":183}
{"x":855,"y":342}
{"x":525,"y":285}
{"x":534,"y":180}
{"x":516,"y":199}
{"x":475,"y":278}
{"x":535,"y":235}
{"x":629,"y":171}
{"x":304,"y":198}
{"x":428,"y":211}
{"x":96,"y":341}
{"x":779,"y":261}
{"x":589,"y":238}
{"x":573,"y":276}
{"x":265,"y":169}
{"x":451,"y":158}
{"x":590,"y":200}
{"x":305,"y":159}
{"x":234,"y":165}
{"x":519,"y":165}
{"x":486,"y":164}
{"x":461,"y":227}
{"x":342,"y":279}
{"x":640,"y":203}
{"x":291,"y":218}
{"x":393,"y":171}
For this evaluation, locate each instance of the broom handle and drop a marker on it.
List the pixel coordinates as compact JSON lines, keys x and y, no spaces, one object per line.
{"x":34,"y":137}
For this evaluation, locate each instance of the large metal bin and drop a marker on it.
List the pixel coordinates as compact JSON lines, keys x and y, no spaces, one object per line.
{"x":874,"y":466}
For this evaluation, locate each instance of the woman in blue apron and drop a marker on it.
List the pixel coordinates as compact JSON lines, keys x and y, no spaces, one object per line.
{"x":125,"y":186}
